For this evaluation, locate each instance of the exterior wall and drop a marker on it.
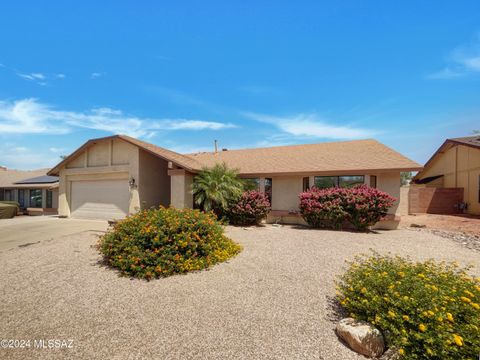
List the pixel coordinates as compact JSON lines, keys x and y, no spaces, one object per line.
{"x":106,"y":160}
{"x":460,"y":166}
{"x":154,"y":182}
{"x":403,"y":202}
{"x":285,"y":202}
{"x":55,"y":198}
{"x":285,"y":190}
{"x":433,"y":200}
{"x":181,"y":189}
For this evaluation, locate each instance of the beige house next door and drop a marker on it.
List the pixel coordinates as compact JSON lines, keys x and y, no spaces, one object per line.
{"x":100,"y":199}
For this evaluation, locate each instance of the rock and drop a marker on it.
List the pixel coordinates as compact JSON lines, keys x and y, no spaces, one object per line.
{"x":418,"y":226}
{"x":361,"y":337}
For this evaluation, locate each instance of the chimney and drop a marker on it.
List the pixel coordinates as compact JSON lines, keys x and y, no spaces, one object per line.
{"x":215,"y":143}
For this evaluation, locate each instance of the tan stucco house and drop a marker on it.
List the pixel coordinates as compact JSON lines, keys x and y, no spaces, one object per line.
{"x":114,"y":176}
{"x":455,"y":165}
{"x":36,"y":192}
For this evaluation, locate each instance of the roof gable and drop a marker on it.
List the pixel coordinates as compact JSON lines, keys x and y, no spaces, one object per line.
{"x":176,"y":158}
{"x":470,"y":141}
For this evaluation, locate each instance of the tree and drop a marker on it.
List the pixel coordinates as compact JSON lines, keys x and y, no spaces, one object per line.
{"x":405,"y":178}
{"x":476,"y":131}
{"x":215,"y":188}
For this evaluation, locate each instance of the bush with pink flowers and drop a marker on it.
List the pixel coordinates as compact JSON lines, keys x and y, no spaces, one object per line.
{"x":250,"y":209}
{"x":362,"y":206}
{"x":322,"y":208}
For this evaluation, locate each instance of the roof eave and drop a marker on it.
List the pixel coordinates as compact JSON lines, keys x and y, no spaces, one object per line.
{"x":332,"y":172}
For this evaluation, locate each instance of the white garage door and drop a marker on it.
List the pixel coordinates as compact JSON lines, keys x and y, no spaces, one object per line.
{"x":100,"y":199}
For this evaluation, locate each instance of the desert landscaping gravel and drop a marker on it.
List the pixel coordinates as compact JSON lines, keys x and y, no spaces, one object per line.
{"x":270,"y":302}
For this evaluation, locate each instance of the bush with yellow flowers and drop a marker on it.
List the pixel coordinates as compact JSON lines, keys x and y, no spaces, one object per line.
{"x":425,"y":310}
{"x":162,"y":242}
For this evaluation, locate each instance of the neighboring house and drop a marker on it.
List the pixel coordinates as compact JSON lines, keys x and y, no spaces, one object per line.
{"x":451,"y":177}
{"x":31,"y":189}
{"x":118,"y":175}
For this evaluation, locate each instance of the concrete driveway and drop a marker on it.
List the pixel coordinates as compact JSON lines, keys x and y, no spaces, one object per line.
{"x":26,"y":230}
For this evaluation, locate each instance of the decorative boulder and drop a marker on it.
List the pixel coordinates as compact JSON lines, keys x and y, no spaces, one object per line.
{"x":361,"y":337}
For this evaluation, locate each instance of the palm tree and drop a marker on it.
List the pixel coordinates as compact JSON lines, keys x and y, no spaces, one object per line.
{"x":214,"y":188}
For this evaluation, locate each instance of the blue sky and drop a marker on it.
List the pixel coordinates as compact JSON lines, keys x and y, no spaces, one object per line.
{"x":248,"y":73}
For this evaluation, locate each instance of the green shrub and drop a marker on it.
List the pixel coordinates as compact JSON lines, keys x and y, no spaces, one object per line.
{"x":166,"y":241}
{"x":427,"y":310}
{"x":6,"y":202}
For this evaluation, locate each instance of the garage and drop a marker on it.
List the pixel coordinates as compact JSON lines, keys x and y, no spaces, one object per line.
{"x":100,"y":199}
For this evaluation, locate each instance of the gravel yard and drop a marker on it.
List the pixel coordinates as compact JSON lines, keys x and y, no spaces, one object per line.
{"x":270,"y":302}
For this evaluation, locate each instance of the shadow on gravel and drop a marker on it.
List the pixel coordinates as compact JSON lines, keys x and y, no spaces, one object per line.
{"x":343,"y":230}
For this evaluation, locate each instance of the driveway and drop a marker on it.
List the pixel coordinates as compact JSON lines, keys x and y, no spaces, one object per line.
{"x":27,"y":230}
{"x":272,"y":301}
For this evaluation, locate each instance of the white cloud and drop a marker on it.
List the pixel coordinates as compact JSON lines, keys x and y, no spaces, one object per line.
{"x":56,"y":150}
{"x":462,"y":61}
{"x":29,"y":116}
{"x":26,"y":158}
{"x":38,"y":78}
{"x":446,"y":73}
{"x":60,"y":76}
{"x":311,"y":126}
{"x":184,"y":124}
{"x":95,"y":75}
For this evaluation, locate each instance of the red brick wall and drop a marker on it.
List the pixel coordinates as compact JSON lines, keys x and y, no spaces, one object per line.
{"x":434,"y":200}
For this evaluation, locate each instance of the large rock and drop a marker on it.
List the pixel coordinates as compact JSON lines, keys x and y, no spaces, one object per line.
{"x":361,"y":337}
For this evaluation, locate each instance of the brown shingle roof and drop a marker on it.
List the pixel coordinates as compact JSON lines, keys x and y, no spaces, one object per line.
{"x":467,"y":140}
{"x":346,"y":156}
{"x":179,"y":159}
{"x":8,"y":177}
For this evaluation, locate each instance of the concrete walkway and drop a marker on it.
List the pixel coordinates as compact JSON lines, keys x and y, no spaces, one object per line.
{"x":26,"y":230}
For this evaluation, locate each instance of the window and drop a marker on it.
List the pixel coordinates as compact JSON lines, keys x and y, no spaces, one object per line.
{"x":306,"y":183}
{"x":323,"y":182}
{"x":268,"y":189}
{"x":253,"y":184}
{"x":373,"y":181}
{"x":49,"y":198}
{"x":36,"y":198}
{"x":8,"y":195}
{"x":21,"y":198}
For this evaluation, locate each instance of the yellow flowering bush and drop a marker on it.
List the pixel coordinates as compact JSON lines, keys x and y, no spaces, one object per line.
{"x":162,"y":242}
{"x":427,"y":310}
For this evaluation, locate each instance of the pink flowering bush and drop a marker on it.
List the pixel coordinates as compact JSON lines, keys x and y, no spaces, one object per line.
{"x":250,"y":209}
{"x":322,"y":208}
{"x":362,"y":206}
{"x":366,"y":206}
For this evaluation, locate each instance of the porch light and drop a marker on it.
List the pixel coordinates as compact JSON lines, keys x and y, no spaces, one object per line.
{"x":131,"y":182}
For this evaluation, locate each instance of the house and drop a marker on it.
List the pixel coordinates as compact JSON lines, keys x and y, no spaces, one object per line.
{"x":117,"y":175}
{"x":33,"y":190}
{"x":450,"y":180}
